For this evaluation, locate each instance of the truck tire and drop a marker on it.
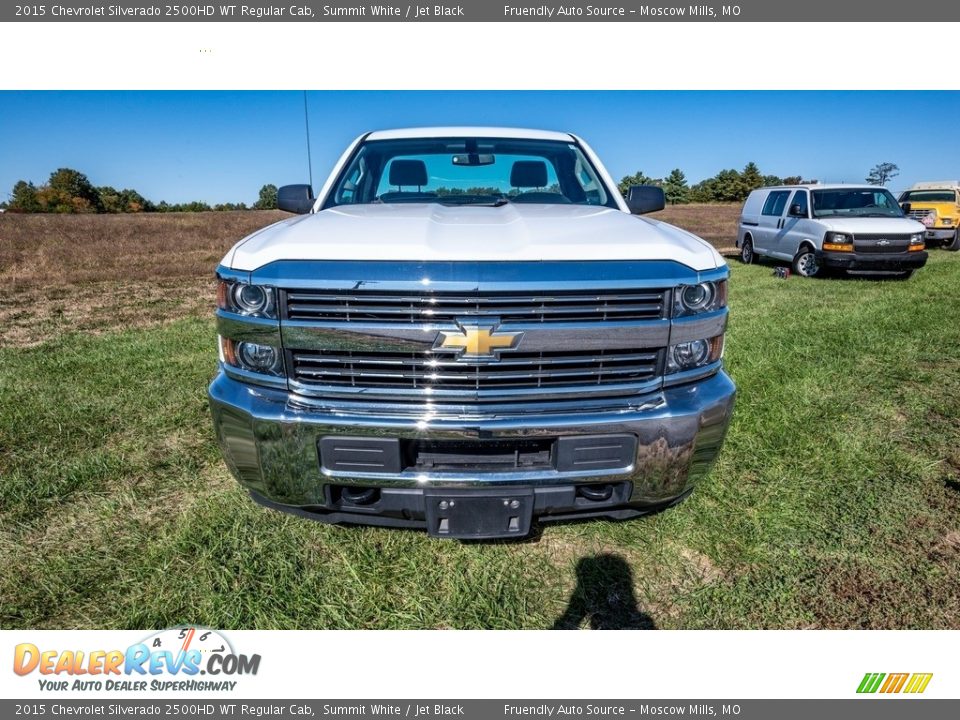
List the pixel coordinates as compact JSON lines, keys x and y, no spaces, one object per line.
{"x":954,"y":244}
{"x":746,"y":251}
{"x":805,"y":263}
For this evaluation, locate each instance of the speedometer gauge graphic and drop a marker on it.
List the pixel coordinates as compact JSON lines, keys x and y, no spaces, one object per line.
{"x":182,"y":639}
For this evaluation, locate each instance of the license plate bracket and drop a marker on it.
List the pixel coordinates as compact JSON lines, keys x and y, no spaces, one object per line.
{"x":479,"y":514}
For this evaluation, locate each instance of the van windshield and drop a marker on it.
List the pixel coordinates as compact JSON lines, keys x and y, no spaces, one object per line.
{"x":855,"y":202}
{"x":470,"y":171}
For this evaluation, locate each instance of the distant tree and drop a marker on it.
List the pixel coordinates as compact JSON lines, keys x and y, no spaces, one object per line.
{"x":729,"y":186}
{"x":702,"y":192}
{"x":675,"y":187}
{"x":24,"y":197}
{"x":230,"y":206}
{"x":638,"y":178}
{"x":751,"y":177}
{"x":267,"y":199}
{"x":792,"y":180}
{"x":68,"y":191}
{"x":135,"y":202}
{"x":882,"y":173}
{"x":110,"y":201}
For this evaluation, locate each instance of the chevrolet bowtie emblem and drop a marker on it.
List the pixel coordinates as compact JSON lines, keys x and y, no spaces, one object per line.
{"x":477,"y":341}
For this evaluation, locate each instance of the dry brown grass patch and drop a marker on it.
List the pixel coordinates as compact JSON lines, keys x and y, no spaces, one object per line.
{"x":49,"y":251}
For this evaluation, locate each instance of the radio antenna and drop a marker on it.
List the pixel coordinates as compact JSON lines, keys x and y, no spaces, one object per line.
{"x":306,"y":122}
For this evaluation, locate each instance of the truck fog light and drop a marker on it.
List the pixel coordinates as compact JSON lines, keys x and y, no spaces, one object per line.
{"x":252,"y":357}
{"x":694,"y":354}
{"x":689,"y":354}
{"x":259,"y":358}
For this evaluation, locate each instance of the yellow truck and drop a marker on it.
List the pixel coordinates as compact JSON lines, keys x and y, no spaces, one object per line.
{"x":937,"y":206}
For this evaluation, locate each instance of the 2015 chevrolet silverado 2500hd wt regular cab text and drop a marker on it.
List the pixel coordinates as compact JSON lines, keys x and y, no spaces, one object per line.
{"x":465,"y":330}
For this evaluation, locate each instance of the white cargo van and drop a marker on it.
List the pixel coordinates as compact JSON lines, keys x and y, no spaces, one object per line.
{"x":858,"y":229}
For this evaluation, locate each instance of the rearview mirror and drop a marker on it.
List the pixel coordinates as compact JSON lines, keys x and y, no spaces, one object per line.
{"x":473,"y":159}
{"x":295,"y":198}
{"x":905,"y":207}
{"x":642,"y":199}
{"x":797,"y":211}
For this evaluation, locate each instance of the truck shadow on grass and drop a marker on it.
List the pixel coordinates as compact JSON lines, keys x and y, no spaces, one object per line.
{"x":604,"y":598}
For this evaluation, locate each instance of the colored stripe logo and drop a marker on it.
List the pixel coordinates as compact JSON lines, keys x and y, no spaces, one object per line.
{"x":912,"y":683}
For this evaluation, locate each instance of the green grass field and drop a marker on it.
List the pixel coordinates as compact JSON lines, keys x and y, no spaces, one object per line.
{"x":835,"y":503}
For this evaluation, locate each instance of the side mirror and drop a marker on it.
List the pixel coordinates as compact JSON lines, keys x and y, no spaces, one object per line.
{"x":905,"y":207}
{"x":642,"y":199}
{"x":295,"y":198}
{"x":797,"y":211}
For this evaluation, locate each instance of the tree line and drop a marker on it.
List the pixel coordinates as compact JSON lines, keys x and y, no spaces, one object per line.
{"x":726,"y":186}
{"x":734,"y":185}
{"x":70,"y":191}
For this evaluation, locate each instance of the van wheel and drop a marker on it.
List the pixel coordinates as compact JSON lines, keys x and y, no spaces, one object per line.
{"x":746,"y":251}
{"x":805,"y":263}
{"x":954,"y":244}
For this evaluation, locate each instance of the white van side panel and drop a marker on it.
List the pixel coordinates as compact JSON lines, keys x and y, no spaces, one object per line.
{"x":750,"y":214}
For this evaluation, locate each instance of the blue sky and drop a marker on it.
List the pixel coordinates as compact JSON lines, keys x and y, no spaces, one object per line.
{"x":223,"y":146}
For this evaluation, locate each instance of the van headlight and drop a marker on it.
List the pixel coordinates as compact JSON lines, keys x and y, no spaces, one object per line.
{"x":702,"y":297}
{"x":246,"y":299}
{"x":837,"y":242}
{"x":694,"y":354}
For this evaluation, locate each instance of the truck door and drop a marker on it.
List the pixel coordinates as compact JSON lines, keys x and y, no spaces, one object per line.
{"x":771,"y":218}
{"x":792,"y":226}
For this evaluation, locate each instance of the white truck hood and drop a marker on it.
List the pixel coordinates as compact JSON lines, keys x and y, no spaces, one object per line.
{"x":872,"y":226}
{"x":512,"y":232}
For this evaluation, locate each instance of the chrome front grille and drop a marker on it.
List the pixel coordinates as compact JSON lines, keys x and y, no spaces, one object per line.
{"x":432,"y":372}
{"x":447,"y":307}
{"x":919,"y":214}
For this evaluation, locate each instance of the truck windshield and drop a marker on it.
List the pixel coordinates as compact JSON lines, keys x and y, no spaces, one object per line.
{"x":934,"y":196}
{"x":855,"y":202}
{"x":469,"y":171}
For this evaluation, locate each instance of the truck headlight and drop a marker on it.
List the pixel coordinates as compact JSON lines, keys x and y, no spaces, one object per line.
{"x":694,"y":354}
{"x":703,"y":297}
{"x":246,"y":299}
{"x":916,"y":242}
{"x":252,"y":357}
{"x":837,"y":242}
{"x":947,"y":221}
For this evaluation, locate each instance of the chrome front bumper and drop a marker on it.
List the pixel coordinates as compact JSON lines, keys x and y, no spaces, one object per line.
{"x":270,"y":439}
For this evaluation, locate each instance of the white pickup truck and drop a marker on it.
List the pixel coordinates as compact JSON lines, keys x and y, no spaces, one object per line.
{"x":465,"y":331}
